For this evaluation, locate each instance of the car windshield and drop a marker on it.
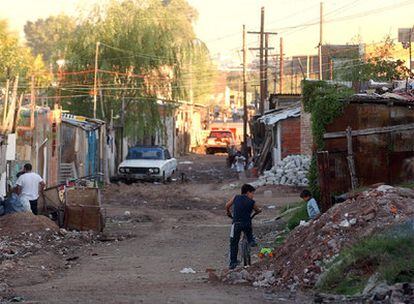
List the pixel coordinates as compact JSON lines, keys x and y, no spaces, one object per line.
{"x":220,"y":134}
{"x":145,"y":153}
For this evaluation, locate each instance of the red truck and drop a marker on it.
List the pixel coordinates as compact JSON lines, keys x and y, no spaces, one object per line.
{"x":219,"y":141}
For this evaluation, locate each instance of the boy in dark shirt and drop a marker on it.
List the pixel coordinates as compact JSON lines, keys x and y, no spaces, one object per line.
{"x":243,"y":207}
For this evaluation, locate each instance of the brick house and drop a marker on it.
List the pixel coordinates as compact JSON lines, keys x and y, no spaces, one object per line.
{"x":280,"y":132}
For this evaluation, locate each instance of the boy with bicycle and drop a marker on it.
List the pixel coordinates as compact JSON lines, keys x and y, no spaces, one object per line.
{"x":244,"y":209}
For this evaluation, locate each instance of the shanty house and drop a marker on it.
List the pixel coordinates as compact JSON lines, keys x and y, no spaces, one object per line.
{"x":277,"y":134}
{"x":83,"y":147}
{"x":36,"y":141}
{"x":371,"y":142}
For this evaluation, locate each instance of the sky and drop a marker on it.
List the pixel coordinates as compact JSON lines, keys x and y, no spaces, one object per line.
{"x":220,"y":21}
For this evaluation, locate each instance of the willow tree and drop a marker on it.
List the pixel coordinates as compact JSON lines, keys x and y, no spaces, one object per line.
{"x":16,"y":59}
{"x":148,"y":52}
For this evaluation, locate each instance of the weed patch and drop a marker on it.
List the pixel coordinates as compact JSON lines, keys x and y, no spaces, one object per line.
{"x":389,"y":254}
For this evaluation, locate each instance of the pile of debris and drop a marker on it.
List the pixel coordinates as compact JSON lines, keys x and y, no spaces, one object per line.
{"x":34,"y":247}
{"x":291,"y":171}
{"x":382,"y":293}
{"x":20,"y":222}
{"x":302,"y":258}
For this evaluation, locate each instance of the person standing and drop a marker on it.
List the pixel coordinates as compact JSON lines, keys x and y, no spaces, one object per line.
{"x":29,"y":185}
{"x":243,"y":206}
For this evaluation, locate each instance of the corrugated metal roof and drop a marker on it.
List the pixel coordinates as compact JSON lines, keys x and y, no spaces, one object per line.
{"x":272,"y":118}
{"x":81,"y":122}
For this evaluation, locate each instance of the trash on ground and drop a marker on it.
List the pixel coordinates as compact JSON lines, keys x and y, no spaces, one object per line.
{"x":187,"y":270}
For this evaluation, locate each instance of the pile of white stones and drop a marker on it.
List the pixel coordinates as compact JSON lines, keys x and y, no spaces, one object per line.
{"x":291,"y":171}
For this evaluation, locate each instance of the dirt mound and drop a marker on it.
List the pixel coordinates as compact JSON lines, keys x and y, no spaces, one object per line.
{"x":301,"y":258}
{"x":16,"y":223}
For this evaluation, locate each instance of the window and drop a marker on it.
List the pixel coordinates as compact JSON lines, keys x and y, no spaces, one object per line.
{"x":145,"y":153}
{"x":167,"y":154}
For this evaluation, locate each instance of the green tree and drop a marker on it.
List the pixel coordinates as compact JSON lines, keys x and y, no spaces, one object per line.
{"x":16,"y":59}
{"x":381,"y":66}
{"x":148,"y":52}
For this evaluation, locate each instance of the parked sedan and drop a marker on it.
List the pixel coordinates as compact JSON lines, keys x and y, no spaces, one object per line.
{"x":147,"y":163}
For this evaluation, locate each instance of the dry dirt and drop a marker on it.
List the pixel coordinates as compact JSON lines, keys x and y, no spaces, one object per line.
{"x":168,"y":227}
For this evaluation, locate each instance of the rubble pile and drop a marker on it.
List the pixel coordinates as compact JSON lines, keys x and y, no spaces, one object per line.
{"x":302,"y":258}
{"x":382,"y":293}
{"x":291,"y":171}
{"x":34,"y":246}
{"x":20,"y":222}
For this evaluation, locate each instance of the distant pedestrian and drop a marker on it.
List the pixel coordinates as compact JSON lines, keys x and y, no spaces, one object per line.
{"x":249,"y":145}
{"x":29,"y":185}
{"x":311,"y":204}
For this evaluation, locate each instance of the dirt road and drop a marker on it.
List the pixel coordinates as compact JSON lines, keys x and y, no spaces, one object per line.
{"x":170,"y":227}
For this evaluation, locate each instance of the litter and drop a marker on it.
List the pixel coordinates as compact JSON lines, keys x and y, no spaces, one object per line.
{"x":186,"y":162}
{"x":187,"y":270}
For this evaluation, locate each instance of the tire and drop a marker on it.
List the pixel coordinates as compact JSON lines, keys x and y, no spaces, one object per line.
{"x":163,"y":179}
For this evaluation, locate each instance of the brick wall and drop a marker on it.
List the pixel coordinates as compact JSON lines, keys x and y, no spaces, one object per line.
{"x":291,"y":143}
{"x":306,"y":142}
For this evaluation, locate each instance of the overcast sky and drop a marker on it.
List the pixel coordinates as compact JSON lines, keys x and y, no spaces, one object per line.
{"x":220,"y":21}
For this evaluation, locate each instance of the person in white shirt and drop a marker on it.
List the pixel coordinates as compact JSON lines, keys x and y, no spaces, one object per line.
{"x":29,"y":185}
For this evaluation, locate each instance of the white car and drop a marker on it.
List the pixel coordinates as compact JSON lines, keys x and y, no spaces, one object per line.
{"x":147,"y":163}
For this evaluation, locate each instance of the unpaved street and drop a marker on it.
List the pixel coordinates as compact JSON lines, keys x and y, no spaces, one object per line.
{"x":170,"y":227}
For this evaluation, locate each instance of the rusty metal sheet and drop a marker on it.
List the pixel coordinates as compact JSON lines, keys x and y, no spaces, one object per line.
{"x":378,"y":157}
{"x":398,"y":172}
{"x":339,"y":173}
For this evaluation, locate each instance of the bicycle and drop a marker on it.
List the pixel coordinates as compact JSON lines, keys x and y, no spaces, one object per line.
{"x":245,"y":247}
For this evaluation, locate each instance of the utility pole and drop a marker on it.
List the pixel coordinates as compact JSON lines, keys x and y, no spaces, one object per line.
{"x":411,"y":61}
{"x":291,"y":77}
{"x":275,"y":74}
{"x":320,"y":41}
{"x":262,"y":34}
{"x":32,"y":102}
{"x":266,"y":68}
{"x":95,"y":79}
{"x":262,"y":83}
{"x":281,"y":67}
{"x":245,"y":117}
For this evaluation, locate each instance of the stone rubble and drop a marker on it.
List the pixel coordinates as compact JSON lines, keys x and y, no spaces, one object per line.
{"x":380,"y":294}
{"x":291,"y":171}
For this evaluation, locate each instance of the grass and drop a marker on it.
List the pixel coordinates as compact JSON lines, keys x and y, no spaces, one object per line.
{"x":298,"y":215}
{"x":407,"y":185}
{"x":390,"y":254}
{"x":291,"y":206}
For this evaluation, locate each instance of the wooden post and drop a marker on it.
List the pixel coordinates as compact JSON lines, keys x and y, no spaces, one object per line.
{"x":351,"y":159}
{"x":6,"y":101}
{"x":330,"y":69}
{"x":11,"y":112}
{"x":32,"y":102}
{"x":324,"y":180}
{"x":17,"y":114}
